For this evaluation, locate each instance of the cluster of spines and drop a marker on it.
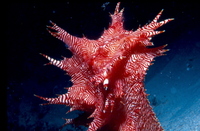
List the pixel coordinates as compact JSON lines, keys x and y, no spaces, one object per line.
{"x":80,"y":50}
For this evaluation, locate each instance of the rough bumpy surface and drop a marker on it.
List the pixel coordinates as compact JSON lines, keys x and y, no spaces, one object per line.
{"x":108,"y":75}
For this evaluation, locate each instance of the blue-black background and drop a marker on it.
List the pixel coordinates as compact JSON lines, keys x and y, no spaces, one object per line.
{"x":26,"y":37}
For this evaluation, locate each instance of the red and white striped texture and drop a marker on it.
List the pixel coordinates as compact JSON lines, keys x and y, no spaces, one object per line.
{"x":108,"y":75}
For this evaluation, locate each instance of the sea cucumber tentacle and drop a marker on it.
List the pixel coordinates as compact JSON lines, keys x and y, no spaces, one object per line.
{"x":62,"y":34}
{"x":78,"y":46}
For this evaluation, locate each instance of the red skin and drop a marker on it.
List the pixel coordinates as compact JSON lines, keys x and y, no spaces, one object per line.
{"x":108,"y":75}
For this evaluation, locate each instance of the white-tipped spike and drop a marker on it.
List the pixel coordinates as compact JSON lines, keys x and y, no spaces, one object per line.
{"x":54,"y":61}
{"x":117,"y":8}
{"x":158,"y":16}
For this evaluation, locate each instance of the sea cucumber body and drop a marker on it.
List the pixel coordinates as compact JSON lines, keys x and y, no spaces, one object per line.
{"x":108,"y":76}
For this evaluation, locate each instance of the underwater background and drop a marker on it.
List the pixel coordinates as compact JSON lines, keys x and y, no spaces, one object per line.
{"x":173,"y":82}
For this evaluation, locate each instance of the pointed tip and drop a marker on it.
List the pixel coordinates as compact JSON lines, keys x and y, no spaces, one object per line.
{"x":41,"y":104}
{"x":165,"y":45}
{"x":167,"y":50}
{"x":170,"y":19}
{"x":63,"y":56}
{"x":161,"y":12}
{"x":46,"y":56}
{"x":68,"y":111}
{"x":66,"y":88}
{"x":162,"y":31}
{"x":151,"y":63}
{"x":41,"y":54}
{"x":158,"y":16}
{"x":55,"y":62}
{"x":117,"y":8}
{"x":49,"y":27}
{"x":67,"y":121}
{"x":122,"y":10}
{"x":83,"y":36}
{"x":38,"y":96}
{"x":35,"y":95}
{"x":50,"y":21}
{"x":47,"y":64}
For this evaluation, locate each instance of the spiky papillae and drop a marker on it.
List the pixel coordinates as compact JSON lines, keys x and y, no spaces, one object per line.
{"x":108,"y":75}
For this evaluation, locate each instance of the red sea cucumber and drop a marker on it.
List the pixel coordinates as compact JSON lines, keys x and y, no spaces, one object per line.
{"x":108,"y":75}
